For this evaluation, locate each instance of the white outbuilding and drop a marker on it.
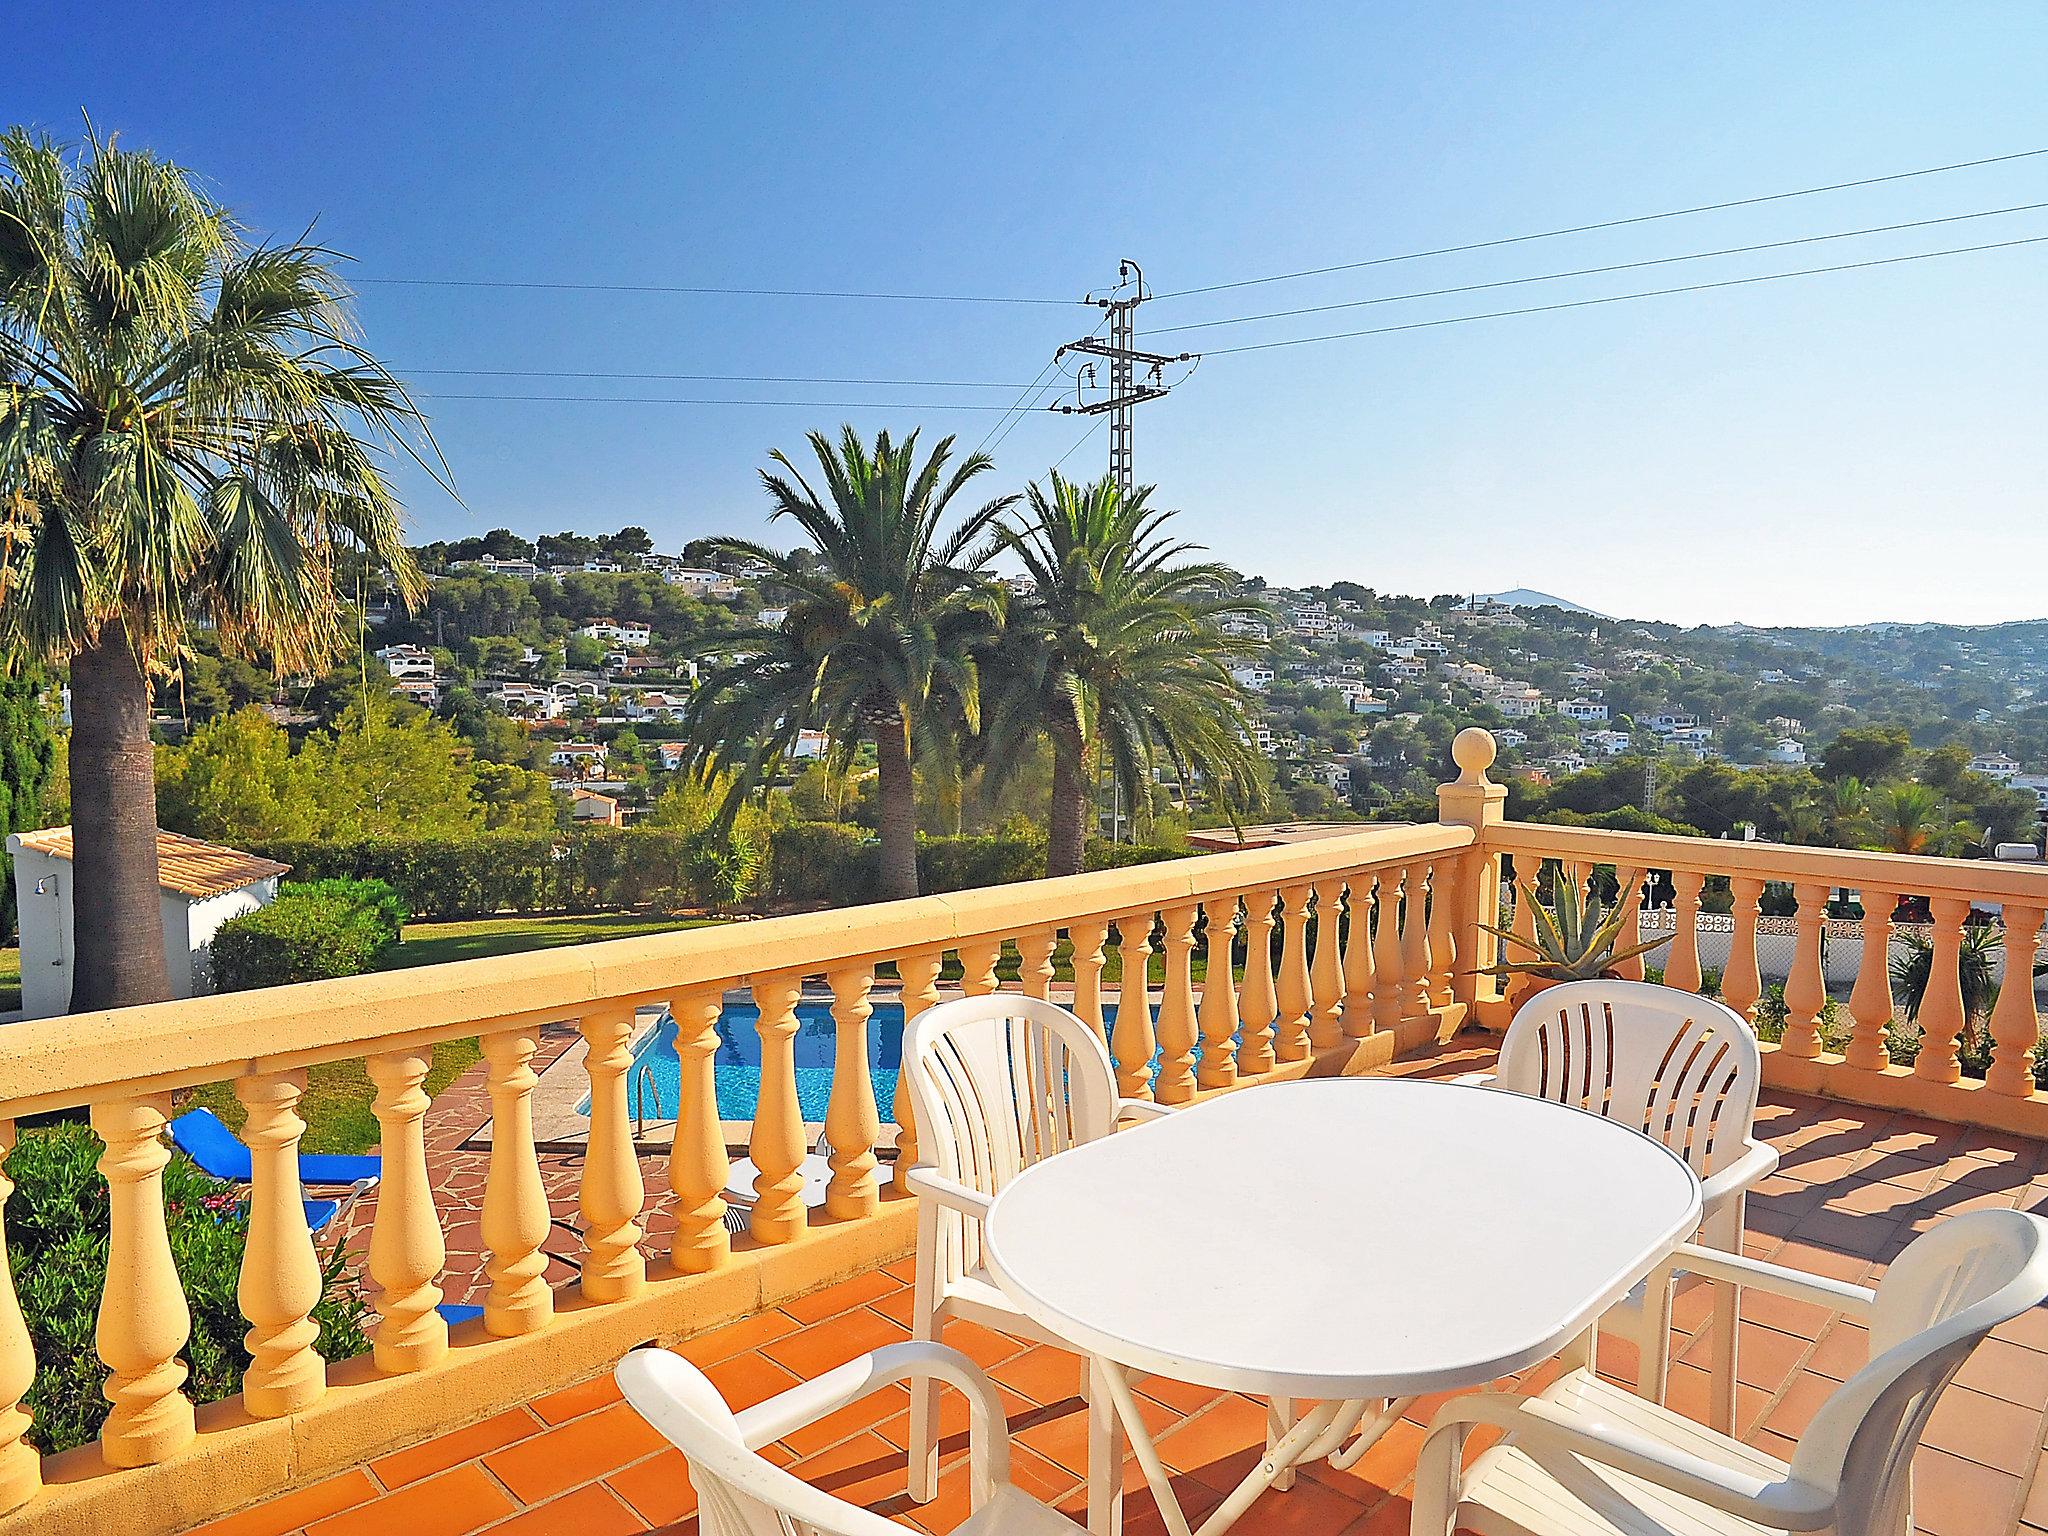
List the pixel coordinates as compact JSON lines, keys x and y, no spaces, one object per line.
{"x":203,"y":885}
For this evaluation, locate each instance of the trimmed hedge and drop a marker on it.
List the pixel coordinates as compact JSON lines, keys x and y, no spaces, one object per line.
{"x":594,"y":869}
{"x":323,"y":928}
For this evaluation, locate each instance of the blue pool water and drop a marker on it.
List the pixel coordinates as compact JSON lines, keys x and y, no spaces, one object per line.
{"x":657,"y":1071}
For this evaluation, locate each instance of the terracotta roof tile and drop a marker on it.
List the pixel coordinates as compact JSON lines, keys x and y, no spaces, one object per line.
{"x":184,"y":864}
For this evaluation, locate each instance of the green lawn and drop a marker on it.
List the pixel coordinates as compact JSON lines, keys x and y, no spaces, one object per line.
{"x":10,"y":980}
{"x":336,"y":1107}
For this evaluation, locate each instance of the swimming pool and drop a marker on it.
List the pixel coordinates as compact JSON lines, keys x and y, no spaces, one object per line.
{"x":736,"y":1065}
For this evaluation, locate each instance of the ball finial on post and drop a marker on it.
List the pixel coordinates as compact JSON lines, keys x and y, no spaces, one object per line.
{"x":1473,"y":751}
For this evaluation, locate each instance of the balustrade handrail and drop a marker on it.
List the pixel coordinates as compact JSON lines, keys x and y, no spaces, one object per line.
{"x":63,"y":1062}
{"x":1914,"y":874}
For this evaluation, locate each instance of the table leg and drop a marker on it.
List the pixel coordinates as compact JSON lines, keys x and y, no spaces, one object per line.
{"x":1310,"y":1428}
{"x":1280,"y":1419}
{"x":1371,"y":1434}
{"x":1105,"y":1457}
{"x":1578,"y":1354}
{"x":1112,"y":1377}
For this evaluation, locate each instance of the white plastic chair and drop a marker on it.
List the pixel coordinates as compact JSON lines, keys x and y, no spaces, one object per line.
{"x":742,"y":1493}
{"x":1587,"y":1459}
{"x":999,"y":1083}
{"x":1682,"y":1069}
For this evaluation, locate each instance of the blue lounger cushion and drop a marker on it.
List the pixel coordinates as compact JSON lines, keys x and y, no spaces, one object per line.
{"x":200,"y":1135}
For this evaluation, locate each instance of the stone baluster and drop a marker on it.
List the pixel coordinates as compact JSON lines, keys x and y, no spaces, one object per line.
{"x":1741,"y":985}
{"x":1290,"y":1037}
{"x":1131,"y":1041}
{"x":1415,"y":945}
{"x":1445,"y":899}
{"x":1870,"y":1000}
{"x":1806,"y":986}
{"x":406,"y":1251}
{"x":978,"y":961}
{"x":1176,"y":1028}
{"x":21,"y":1467}
{"x":2015,"y":1028}
{"x":1326,"y":968}
{"x":920,"y":973}
{"x":1386,"y":952}
{"x":1087,"y":938}
{"x":611,"y":1192}
{"x":852,"y":1124}
{"x":280,"y":1281}
{"x":1037,"y":970}
{"x":1257,"y":1004}
{"x":143,"y":1319}
{"x":1528,"y":894}
{"x":1219,"y":995}
{"x":515,"y":1214}
{"x":1628,"y":894}
{"x":1358,"y":978}
{"x":697,"y":1164}
{"x":776,"y":1143}
{"x":1941,"y":1006}
{"x":1682,"y":960}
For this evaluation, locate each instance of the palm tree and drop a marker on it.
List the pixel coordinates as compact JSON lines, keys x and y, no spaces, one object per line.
{"x":1119,"y":648}
{"x":185,"y":434}
{"x":879,"y":641}
{"x":1912,"y":818}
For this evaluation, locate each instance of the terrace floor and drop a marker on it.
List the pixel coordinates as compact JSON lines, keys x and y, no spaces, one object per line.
{"x":1855,"y":1186}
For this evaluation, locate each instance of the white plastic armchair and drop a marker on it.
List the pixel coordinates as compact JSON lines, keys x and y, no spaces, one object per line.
{"x":1681,"y":1069}
{"x":1587,"y":1459}
{"x":742,"y":1493}
{"x":999,"y":1083}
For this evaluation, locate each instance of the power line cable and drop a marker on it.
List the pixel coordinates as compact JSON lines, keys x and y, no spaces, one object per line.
{"x":707,"y":289}
{"x":1622,"y":298}
{"x":1079,"y":442}
{"x":890,"y":405}
{"x":1581,"y":229}
{"x":1624,"y":266}
{"x":709,"y":378}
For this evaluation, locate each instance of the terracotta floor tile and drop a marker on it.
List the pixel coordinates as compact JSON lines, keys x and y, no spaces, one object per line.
{"x":289,"y":1511}
{"x":1687,"y":1391}
{"x":573,"y":1402}
{"x":1842,"y":1351}
{"x":863,"y":1470}
{"x":1985,"y":1429}
{"x":2029,"y":1328}
{"x":872,"y":1410}
{"x":2010,"y":1371}
{"x":1381,"y":1470}
{"x":1955,"y":1497}
{"x":1309,"y":1508}
{"x":1228,"y":1426}
{"x":1795,"y":1409}
{"x":843,"y":1297}
{"x":1043,"y":1374}
{"x":736,"y":1338}
{"x":1764,"y":1357}
{"x":745,"y":1380}
{"x":984,"y":1346}
{"x":815,"y":1350}
{"x":445,"y":1451}
{"x":1846,"y":1232}
{"x":1063,"y":1437}
{"x":657,"y":1488}
{"x":1183,"y":1397}
{"x":580,"y":1451}
{"x":1801,"y":1318}
{"x":592,"y":1511}
{"x":452,"y":1504}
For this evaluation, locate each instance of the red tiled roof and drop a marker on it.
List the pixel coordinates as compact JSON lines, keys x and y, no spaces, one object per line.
{"x":184,"y":864}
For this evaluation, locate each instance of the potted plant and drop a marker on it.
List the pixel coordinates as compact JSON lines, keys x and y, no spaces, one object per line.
{"x":1574,"y":939}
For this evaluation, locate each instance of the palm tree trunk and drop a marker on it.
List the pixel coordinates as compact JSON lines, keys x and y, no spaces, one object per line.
{"x":1067,"y":834}
{"x":898,"y":794}
{"x":117,"y":921}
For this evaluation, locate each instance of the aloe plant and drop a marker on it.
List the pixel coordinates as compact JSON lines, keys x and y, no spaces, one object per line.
{"x":1574,"y":938}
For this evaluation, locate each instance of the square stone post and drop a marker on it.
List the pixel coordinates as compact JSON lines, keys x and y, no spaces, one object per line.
{"x":1475,"y":801}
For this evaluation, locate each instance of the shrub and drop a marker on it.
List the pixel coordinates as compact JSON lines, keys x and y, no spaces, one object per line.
{"x":824,"y":861}
{"x":967,"y":863}
{"x":331,"y":927}
{"x":57,"y":1235}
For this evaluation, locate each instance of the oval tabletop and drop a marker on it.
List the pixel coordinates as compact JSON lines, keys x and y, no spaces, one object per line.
{"x":1341,"y":1237}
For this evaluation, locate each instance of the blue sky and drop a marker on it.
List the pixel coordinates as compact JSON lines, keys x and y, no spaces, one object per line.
{"x":1842,"y":448}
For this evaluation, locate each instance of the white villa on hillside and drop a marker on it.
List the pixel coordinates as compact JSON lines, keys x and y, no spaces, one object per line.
{"x":631,"y":635}
{"x":1585,"y":711}
{"x":408,"y":662}
{"x":700,"y":583}
{"x":1995,"y":765}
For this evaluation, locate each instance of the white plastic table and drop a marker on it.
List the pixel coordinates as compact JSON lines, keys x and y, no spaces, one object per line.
{"x":1350,"y":1241}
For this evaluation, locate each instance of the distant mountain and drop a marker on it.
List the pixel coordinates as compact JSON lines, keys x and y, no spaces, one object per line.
{"x":1522,"y":597}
